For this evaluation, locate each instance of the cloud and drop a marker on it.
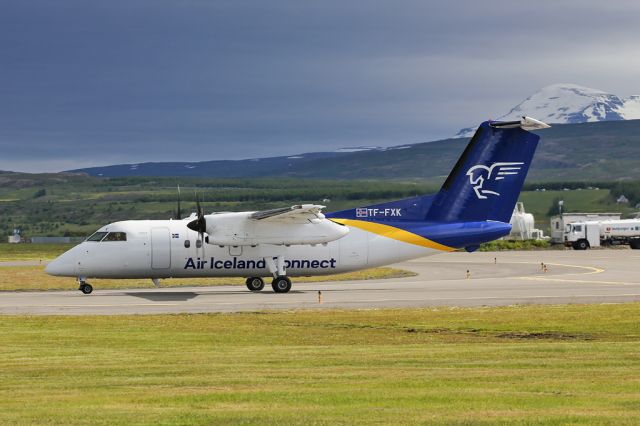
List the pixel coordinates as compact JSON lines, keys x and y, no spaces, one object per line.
{"x":88,"y":83}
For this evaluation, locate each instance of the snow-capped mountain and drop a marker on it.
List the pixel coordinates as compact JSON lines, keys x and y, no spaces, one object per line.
{"x":571,"y":103}
{"x":359,"y":148}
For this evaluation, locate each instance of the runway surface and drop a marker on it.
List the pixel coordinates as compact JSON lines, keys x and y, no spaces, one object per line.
{"x":501,"y":278}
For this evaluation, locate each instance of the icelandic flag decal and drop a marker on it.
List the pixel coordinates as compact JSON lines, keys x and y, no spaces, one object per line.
{"x":361,"y":212}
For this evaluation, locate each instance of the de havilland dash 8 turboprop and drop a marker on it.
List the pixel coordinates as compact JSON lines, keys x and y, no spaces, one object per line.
{"x":473,"y":206}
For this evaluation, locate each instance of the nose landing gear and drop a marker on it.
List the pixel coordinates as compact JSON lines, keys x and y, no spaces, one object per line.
{"x":84,"y":287}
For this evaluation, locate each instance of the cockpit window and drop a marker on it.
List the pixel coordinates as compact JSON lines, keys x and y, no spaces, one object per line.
{"x":97,"y":236}
{"x":115,"y":236}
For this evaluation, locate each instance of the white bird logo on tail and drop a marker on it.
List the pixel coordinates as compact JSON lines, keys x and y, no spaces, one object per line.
{"x":497,"y":171}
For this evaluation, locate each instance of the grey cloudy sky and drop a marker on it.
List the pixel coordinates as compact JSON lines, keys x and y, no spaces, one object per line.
{"x":86,"y":83}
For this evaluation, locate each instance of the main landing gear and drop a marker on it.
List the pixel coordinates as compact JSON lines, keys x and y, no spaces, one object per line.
{"x":280,"y":283}
{"x":85,"y":287}
{"x":255,"y":283}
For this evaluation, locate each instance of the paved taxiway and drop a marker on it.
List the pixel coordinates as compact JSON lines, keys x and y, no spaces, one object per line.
{"x":595,"y":276}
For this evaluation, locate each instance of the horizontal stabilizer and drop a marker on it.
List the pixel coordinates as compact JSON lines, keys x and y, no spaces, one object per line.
{"x":526,"y":123}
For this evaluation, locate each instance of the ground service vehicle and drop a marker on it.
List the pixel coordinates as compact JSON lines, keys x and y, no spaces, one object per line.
{"x":583,"y":235}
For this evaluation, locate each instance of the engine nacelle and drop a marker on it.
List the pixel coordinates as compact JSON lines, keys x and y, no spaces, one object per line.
{"x":239,"y":229}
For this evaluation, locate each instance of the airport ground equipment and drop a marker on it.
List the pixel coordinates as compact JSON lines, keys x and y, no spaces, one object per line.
{"x":584,"y":235}
{"x":523,"y":226}
{"x":559,"y":223}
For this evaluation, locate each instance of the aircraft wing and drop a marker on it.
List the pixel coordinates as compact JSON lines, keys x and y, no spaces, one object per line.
{"x":297,"y":213}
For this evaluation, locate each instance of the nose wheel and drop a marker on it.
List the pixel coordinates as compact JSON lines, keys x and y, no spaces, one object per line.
{"x":85,"y":287}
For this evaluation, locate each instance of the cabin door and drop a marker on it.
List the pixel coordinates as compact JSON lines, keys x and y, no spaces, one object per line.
{"x":160,"y":248}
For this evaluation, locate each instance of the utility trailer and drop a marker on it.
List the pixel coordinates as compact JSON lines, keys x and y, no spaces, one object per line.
{"x":583,"y":235}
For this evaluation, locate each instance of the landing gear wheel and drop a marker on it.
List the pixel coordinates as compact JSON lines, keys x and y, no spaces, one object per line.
{"x":281,"y":284}
{"x":635,"y":244}
{"x":86,"y":288}
{"x":255,"y":283}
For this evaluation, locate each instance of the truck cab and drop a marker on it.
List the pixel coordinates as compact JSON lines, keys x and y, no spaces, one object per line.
{"x":582,"y":235}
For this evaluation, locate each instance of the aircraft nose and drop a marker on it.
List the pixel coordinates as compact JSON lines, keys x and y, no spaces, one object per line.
{"x":61,"y":267}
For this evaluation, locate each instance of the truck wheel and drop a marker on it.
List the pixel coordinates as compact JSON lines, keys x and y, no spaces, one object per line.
{"x":582,"y":245}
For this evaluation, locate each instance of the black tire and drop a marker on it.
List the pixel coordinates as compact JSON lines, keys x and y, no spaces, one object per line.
{"x":582,"y":245}
{"x":635,"y":244}
{"x":255,"y":283}
{"x":281,"y":284}
{"x":86,"y":288}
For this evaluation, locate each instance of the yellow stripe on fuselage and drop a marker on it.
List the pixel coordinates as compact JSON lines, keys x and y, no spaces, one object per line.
{"x":393,"y":233}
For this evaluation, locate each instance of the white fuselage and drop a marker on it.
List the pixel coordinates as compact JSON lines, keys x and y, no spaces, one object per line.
{"x":158,"y":249}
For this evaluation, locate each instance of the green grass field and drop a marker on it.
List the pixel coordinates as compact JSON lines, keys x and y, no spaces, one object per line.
{"x":527,"y":365}
{"x":75,"y":205}
{"x":9,"y":252}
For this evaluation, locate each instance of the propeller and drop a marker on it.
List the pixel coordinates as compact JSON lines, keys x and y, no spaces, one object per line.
{"x":199,"y":224}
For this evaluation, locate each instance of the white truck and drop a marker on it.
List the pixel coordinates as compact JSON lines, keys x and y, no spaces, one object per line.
{"x":583,"y":235}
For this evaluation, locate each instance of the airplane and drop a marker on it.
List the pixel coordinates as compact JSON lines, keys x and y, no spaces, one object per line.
{"x":473,"y":206}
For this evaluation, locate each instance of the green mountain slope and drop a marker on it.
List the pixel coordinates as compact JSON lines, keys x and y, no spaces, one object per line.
{"x":588,"y":151}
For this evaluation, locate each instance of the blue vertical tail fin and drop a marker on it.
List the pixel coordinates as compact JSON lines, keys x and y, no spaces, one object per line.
{"x":486,"y":181}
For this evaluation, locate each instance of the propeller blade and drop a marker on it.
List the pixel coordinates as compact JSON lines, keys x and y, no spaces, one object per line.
{"x":179,"y":215}
{"x":198,"y":225}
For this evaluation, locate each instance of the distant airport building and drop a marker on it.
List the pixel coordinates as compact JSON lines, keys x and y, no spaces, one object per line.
{"x":558,"y":223}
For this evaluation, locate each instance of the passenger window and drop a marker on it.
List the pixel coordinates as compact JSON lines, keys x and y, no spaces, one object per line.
{"x":115,"y":236}
{"x":187,"y":243}
{"x":96,"y":236}
{"x":198,"y":243}
{"x":577,"y":228}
